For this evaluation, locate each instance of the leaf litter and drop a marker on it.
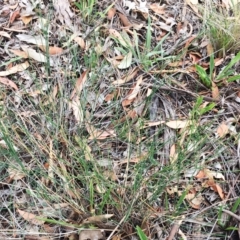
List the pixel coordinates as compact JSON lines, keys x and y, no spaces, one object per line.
{"x":117,"y":129}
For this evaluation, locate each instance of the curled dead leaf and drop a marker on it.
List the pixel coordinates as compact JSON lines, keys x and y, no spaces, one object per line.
{"x":177,"y":124}
{"x":8,"y":82}
{"x":80,"y":42}
{"x":111,"y":13}
{"x":215,"y":91}
{"x":222,"y":130}
{"x":19,"y":53}
{"x":53,"y":50}
{"x":32,"y":218}
{"x":15,"y":69}
{"x":98,"y":218}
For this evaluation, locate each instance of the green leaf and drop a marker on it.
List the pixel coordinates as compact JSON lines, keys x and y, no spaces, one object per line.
{"x":154,"y":53}
{"x":235,"y":205}
{"x":204,"y":76}
{"x":141,"y":234}
{"x":149,"y":35}
{"x":224,"y":72}
{"x":233,"y":78}
{"x":208,"y":108}
{"x":231,"y":229}
{"x":211,"y":66}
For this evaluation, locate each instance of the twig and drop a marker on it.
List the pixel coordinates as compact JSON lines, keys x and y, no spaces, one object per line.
{"x":232,"y":214}
{"x":115,"y":229}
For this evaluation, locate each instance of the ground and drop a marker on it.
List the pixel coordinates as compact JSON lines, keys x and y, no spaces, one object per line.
{"x":119,"y":119}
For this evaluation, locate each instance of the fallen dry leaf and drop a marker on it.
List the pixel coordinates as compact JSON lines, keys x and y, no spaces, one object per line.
{"x":15,"y":69}
{"x":52,"y":50}
{"x":14,"y":15}
{"x":132,"y":93}
{"x":79,"y":84}
{"x":8,"y":82}
{"x":19,"y":53}
{"x":36,"y":55}
{"x":222,"y":130}
{"x":16,"y":173}
{"x":26,"y":19}
{"x":32,"y":218}
{"x":206,"y":173}
{"x":126,"y":61}
{"x":98,"y":218}
{"x":194,"y":198}
{"x":37,"y":40}
{"x":216,"y":188}
{"x":80,"y":42}
{"x":127,"y":78}
{"x":5,"y":34}
{"x":111,"y":13}
{"x":116,"y":35}
{"x":173,"y":155}
{"x":215,"y":91}
{"x":124,"y":20}
{"x":177,"y":124}
{"x":92,"y":234}
{"x":77,"y":109}
{"x":157,"y":8}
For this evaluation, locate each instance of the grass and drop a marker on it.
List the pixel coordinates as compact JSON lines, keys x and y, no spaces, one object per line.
{"x":105,"y":170}
{"x":222,"y":28}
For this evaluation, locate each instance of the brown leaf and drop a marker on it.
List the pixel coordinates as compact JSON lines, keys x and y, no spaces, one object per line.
{"x":194,"y":198}
{"x":91,"y":234}
{"x":80,"y":42}
{"x":79,"y":84}
{"x":129,"y":76}
{"x":52,"y":50}
{"x":14,"y":15}
{"x":111,"y":13}
{"x":132,"y":93}
{"x":19,"y":53}
{"x":15,"y":69}
{"x":216,"y":188}
{"x":8,"y":82}
{"x":124,"y":20}
{"x":109,"y":96}
{"x":222,"y":130}
{"x":32,"y":218}
{"x":200,"y":175}
{"x":157,"y":8}
{"x":98,"y":218}
{"x":215,"y":91}
{"x":26,"y":19}
{"x":210,"y":50}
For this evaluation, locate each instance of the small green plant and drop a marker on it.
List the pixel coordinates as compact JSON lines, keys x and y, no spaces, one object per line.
{"x":86,"y":8}
{"x":225,"y":74}
{"x":144,"y":54}
{"x":141,"y":234}
{"x":148,"y":56}
{"x":198,"y":111}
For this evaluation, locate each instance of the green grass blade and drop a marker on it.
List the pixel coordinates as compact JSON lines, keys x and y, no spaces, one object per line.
{"x":224,"y":74}
{"x":204,"y":76}
{"x":141,"y":234}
